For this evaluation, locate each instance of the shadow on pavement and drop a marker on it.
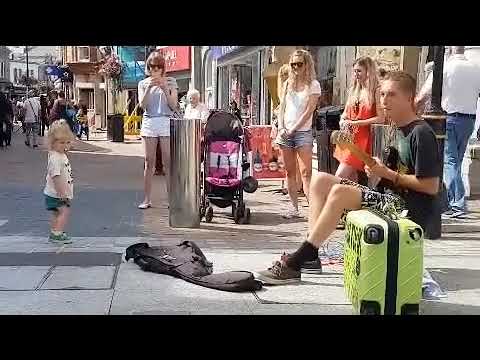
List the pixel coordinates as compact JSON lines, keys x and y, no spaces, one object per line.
{"x":443,"y":308}
{"x":456,"y":279}
{"x":243,"y":230}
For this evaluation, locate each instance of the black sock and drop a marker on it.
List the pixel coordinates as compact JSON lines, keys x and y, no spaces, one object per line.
{"x":306,"y":252}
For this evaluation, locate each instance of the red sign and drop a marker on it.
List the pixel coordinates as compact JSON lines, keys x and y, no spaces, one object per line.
{"x":177,"y":58}
{"x":266,"y":159}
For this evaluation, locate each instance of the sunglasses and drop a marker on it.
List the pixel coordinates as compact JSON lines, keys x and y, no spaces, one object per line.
{"x":297,"y":64}
{"x":155,"y":67}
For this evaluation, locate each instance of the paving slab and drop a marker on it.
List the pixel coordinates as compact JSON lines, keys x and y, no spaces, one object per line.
{"x":21,"y":277}
{"x":55,"y":302}
{"x":74,"y":277}
{"x":59,"y":259}
{"x":304,"y":309}
{"x":180,"y":298}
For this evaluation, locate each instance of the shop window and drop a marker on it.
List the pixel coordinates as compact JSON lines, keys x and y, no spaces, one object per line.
{"x":83,"y":53}
{"x":2,"y":69}
{"x":325,"y":58}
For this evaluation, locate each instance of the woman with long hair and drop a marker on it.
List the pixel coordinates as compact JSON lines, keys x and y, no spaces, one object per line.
{"x":299,"y":99}
{"x":158,"y":96}
{"x":361,"y":110}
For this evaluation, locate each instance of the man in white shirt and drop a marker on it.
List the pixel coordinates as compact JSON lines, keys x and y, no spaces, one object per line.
{"x":32,"y":118}
{"x":461,"y":89}
{"x":195,"y":109}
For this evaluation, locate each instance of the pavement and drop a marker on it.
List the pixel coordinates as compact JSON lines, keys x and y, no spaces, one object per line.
{"x":90,"y":276}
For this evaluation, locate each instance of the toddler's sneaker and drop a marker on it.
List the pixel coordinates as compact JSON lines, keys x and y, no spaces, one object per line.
{"x":60,"y":239}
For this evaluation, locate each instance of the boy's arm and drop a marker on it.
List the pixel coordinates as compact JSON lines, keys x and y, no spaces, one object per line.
{"x":59,"y":186}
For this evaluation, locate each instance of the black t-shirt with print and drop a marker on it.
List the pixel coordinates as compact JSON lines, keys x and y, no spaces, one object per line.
{"x":418,"y":151}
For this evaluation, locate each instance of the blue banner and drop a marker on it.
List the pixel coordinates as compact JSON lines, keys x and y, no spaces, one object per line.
{"x":53,"y":70}
{"x":219,"y":51}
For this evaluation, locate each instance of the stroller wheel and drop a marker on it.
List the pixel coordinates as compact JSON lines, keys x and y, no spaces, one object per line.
{"x":245,"y":219}
{"x":247,"y":216}
{"x":238,"y":215}
{"x":209,"y":215}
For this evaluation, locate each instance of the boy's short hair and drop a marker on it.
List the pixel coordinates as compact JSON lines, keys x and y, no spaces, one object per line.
{"x":406,"y":81}
{"x":59,"y":130}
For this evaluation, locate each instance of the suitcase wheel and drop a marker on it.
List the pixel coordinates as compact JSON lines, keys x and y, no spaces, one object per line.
{"x":369,"y":308}
{"x":410,"y":309}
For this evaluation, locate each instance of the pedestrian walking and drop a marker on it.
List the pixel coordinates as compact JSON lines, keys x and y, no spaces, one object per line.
{"x":461,"y":89}
{"x":43,"y":114}
{"x":59,"y":180}
{"x":414,"y":188}
{"x":299,"y":100}
{"x":82,"y":122}
{"x":362,"y":110}
{"x":235,"y":110}
{"x":158,"y":97}
{"x":6,"y":121}
{"x":32,"y":118}
{"x":59,"y":108}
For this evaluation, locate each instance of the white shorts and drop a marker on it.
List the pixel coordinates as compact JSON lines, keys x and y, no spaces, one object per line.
{"x":155,"y":127}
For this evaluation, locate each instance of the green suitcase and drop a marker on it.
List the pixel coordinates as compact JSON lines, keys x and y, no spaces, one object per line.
{"x":383,"y":263}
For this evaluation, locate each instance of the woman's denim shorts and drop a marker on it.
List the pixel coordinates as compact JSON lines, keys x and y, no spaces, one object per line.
{"x":297,"y":140}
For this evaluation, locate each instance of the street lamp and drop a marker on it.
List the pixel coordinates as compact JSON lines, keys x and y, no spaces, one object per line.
{"x":436,"y":118}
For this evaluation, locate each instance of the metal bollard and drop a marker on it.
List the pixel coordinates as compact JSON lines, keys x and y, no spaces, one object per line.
{"x":184,"y":194}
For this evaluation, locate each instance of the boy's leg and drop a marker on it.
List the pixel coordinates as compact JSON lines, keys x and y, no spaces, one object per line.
{"x":340,"y":198}
{"x":319,"y":189}
{"x":62,"y":219}
{"x":53,"y":222}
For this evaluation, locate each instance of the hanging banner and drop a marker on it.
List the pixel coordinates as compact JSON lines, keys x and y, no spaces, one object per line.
{"x":265,"y":159}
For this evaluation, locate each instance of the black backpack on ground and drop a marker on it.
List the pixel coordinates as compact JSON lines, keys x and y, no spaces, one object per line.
{"x":186,"y":261}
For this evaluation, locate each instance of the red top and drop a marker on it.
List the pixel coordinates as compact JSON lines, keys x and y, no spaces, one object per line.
{"x":361,"y":136}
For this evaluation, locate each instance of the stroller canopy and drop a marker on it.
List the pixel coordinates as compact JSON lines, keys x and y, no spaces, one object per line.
{"x":222,"y":125}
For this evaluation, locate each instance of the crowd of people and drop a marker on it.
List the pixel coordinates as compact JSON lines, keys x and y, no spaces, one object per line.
{"x":375,"y":97}
{"x":411,"y":187}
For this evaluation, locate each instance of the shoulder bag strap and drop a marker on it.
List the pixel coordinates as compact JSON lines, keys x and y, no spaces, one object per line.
{"x":31,"y":107}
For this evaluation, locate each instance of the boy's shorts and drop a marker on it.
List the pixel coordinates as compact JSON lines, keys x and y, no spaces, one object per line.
{"x":53,"y":204}
{"x":371,"y":199}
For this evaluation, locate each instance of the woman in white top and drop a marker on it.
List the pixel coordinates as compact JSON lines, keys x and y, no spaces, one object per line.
{"x":195,"y":109}
{"x":159,"y":98}
{"x":298,"y":102}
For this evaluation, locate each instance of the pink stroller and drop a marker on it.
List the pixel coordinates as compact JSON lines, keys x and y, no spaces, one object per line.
{"x":225,"y":167}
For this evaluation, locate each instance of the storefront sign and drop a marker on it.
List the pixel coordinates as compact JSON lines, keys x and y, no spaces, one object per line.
{"x":219,"y":51}
{"x":177,"y":58}
{"x":265,"y":159}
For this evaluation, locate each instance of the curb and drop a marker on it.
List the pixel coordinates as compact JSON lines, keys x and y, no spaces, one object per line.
{"x":460,"y":228}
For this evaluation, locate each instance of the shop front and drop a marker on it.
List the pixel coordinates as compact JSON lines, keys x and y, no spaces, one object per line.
{"x":239,"y":79}
{"x":178,"y":65}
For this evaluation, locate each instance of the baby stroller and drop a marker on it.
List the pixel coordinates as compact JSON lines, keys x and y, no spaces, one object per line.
{"x":225,"y":167}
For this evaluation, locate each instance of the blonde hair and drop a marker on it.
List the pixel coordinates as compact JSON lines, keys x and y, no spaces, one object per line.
{"x":358,"y":91}
{"x":310,"y":74}
{"x":283,"y":72}
{"x":59,"y":130}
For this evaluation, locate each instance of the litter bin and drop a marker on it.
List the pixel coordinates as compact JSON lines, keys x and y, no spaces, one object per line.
{"x":327,"y":121}
{"x":184,"y":194}
{"x":115,"y":131}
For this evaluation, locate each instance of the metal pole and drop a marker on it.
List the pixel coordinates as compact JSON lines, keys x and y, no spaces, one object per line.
{"x":184,"y":192}
{"x":436,"y":117}
{"x":26,"y":53}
